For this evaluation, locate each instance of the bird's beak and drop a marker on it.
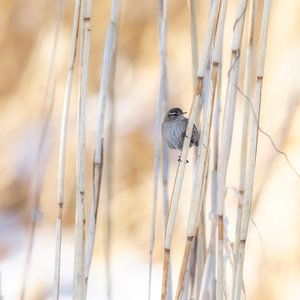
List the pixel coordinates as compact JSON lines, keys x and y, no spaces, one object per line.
{"x":185,"y":112}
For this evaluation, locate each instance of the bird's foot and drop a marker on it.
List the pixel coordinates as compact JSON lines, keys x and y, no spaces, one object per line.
{"x":179,"y":159}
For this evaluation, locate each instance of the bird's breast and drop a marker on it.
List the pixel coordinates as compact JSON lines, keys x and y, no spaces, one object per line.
{"x":172,"y":132}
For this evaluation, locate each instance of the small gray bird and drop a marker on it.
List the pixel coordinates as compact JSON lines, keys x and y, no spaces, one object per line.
{"x":173,"y":129}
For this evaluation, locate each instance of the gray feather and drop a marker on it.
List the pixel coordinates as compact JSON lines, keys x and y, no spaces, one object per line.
{"x":173,"y":132}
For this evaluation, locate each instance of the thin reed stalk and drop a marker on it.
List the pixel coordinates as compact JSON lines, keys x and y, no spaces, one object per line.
{"x":201,"y":247}
{"x":165,"y":201}
{"x":108,"y":54}
{"x":79,"y":289}
{"x":162,"y":20}
{"x":36,"y":183}
{"x":109,"y":180}
{"x":214,"y":173}
{"x":228,"y":119}
{"x":181,"y":166}
{"x":198,"y":250}
{"x":62,"y":148}
{"x":248,"y":81}
{"x":252,"y":148}
{"x":193,"y":8}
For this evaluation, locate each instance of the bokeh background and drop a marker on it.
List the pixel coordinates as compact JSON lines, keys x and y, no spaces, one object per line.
{"x":27,"y":31}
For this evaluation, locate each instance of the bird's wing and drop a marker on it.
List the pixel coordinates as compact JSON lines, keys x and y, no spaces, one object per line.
{"x":195,"y":136}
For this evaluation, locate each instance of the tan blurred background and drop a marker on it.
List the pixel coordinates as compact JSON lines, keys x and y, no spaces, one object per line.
{"x":26,"y":40}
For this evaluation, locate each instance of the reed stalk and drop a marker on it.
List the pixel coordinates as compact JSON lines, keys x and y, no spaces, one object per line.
{"x":79,"y":289}
{"x":165,"y":162}
{"x":198,"y":184}
{"x":248,"y":81}
{"x":200,"y":253}
{"x":228,"y":120}
{"x":62,"y":148}
{"x":162,"y":20}
{"x":206,"y":275}
{"x":196,"y":259}
{"x":214,"y":173}
{"x":39,"y":173}
{"x":109,"y":181}
{"x":193,"y":9}
{"x":108,"y":55}
{"x":181,"y":165}
{"x":252,"y":148}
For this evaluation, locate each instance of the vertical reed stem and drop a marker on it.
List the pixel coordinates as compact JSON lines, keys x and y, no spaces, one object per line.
{"x":62,"y":148}
{"x":162,"y":20}
{"x":248,"y":91}
{"x":108,"y":54}
{"x":252,"y":148}
{"x":79,"y":289}
{"x":227,"y":130}
{"x":200,"y":164}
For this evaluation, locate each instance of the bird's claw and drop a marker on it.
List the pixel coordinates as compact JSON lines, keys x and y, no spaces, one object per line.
{"x":179,"y":159}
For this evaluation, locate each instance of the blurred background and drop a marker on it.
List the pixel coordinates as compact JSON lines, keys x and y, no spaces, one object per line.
{"x":27,"y":30}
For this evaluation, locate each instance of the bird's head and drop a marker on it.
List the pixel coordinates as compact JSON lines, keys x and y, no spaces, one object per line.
{"x":174,"y":113}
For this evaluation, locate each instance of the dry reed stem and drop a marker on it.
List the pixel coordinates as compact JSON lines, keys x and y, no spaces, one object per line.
{"x":181,"y":165}
{"x":109,"y":180}
{"x":207,"y":273}
{"x":210,"y":249}
{"x":252,"y":148}
{"x":248,"y":91}
{"x":184,"y":263}
{"x":200,"y":253}
{"x":228,"y":119}
{"x":202,"y":159}
{"x":165,"y":273}
{"x":162,"y":18}
{"x":197,"y":258}
{"x":62,"y":149}
{"x":36,"y":183}
{"x":193,"y":266}
{"x":193,"y":8}
{"x":214,"y":175}
{"x":79,"y":289}
{"x":109,"y":50}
